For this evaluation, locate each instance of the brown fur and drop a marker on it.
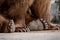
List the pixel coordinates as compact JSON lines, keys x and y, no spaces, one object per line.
{"x":3,"y":24}
{"x":15,"y":10}
{"x":41,"y":9}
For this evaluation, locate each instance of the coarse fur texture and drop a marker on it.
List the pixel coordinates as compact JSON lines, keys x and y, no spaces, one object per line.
{"x":17,"y":11}
{"x":14,"y":10}
{"x":41,"y":10}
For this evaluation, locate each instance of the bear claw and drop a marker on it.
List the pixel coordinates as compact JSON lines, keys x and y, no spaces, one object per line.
{"x":11,"y":27}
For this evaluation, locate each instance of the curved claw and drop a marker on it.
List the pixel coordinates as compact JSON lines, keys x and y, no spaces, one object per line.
{"x":22,"y":30}
{"x":11,"y":27}
{"x":27,"y":29}
{"x":56,"y":27}
{"x":19,"y":30}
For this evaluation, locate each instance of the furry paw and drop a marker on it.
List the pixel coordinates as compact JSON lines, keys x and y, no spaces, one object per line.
{"x":11,"y":26}
{"x":22,"y":29}
{"x":56,"y":27}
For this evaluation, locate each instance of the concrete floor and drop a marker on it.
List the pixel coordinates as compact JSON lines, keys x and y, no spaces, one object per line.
{"x":39,"y":35}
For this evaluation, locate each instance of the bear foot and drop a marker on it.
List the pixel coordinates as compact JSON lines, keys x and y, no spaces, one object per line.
{"x":22,"y":29}
{"x":11,"y":27}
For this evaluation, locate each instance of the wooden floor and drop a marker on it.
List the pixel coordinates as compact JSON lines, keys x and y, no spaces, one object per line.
{"x":36,"y":35}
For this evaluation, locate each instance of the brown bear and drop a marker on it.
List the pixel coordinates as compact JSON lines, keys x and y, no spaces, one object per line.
{"x":41,"y":10}
{"x":14,"y":10}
